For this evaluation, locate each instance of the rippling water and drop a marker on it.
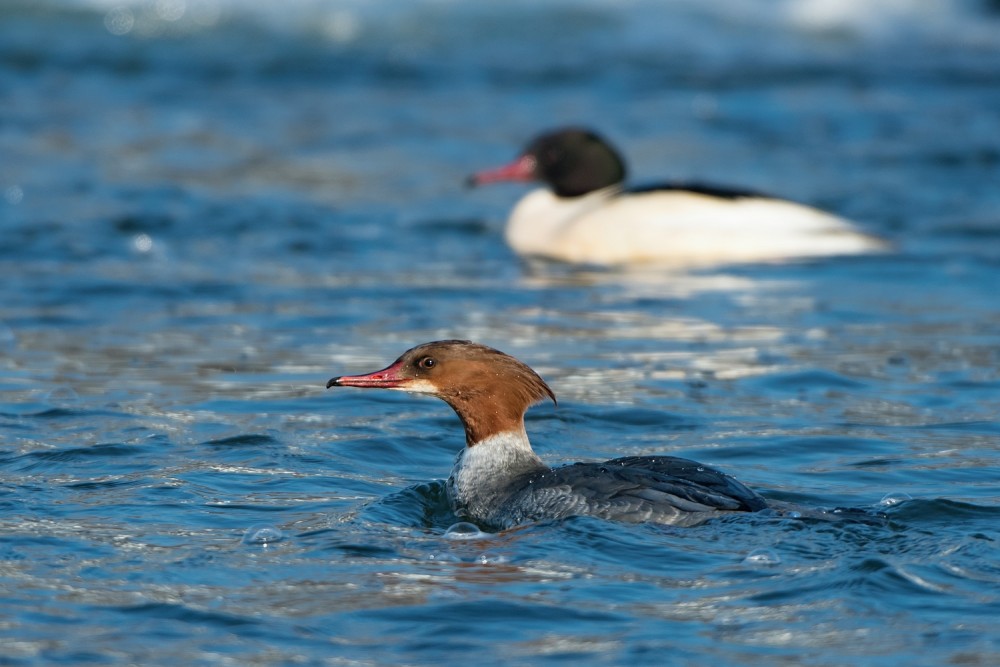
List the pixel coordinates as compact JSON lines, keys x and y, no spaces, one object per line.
{"x":209,"y":208}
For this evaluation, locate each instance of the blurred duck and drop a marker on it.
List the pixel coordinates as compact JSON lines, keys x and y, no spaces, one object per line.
{"x":585,"y":214}
{"x":499,"y":482}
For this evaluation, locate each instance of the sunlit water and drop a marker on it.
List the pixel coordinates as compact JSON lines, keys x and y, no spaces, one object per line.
{"x":210,"y":208}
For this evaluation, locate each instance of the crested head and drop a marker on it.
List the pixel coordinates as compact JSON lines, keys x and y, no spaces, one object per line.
{"x":489,"y":390}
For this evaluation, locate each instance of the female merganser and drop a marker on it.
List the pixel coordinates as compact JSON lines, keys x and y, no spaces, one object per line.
{"x":586,"y":215}
{"x":498,"y":481}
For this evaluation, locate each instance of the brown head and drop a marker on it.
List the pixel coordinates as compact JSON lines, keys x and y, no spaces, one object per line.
{"x":488,"y":389}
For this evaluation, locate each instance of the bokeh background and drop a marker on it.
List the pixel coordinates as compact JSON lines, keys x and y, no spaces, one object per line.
{"x":209,"y":207}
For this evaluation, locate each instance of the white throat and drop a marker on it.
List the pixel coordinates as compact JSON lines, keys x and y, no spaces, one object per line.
{"x":483,"y":472}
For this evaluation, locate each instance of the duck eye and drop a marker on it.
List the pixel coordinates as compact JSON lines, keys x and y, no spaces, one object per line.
{"x":426,"y":362}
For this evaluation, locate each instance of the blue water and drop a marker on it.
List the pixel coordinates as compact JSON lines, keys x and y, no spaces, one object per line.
{"x":210,"y":208}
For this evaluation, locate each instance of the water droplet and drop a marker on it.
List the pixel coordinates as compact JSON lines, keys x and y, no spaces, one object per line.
{"x":444,"y":558}
{"x":142,"y":243}
{"x":762,"y":558}
{"x":262,"y":533}
{"x":170,"y":10}
{"x":465,"y":531}
{"x":62,"y":397}
{"x":490,"y":558}
{"x":119,"y":21}
{"x":894,"y":498}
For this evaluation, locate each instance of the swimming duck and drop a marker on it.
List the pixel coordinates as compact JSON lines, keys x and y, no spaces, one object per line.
{"x":585,"y":214}
{"x":498,"y":481}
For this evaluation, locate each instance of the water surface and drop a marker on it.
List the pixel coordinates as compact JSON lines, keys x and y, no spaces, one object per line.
{"x":210,"y":208}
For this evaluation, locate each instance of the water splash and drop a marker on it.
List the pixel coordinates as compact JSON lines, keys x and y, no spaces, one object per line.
{"x":489,"y":558}
{"x":263,"y":534}
{"x":893,"y":499}
{"x":762,"y":558}
{"x":465,"y":531}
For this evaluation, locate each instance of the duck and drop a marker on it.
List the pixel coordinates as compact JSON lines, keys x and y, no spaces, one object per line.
{"x":498,"y":482}
{"x":585,"y":214}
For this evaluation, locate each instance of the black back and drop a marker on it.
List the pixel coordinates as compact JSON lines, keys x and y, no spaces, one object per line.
{"x":721,"y":191}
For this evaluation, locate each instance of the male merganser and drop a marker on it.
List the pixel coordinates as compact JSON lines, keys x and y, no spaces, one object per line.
{"x":586,"y":215}
{"x":499,"y":482}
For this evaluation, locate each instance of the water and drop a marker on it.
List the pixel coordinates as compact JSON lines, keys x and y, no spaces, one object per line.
{"x":210,"y":208}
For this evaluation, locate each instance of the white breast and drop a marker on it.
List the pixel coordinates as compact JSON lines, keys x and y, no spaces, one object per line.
{"x":481,"y":479}
{"x":677,"y":228}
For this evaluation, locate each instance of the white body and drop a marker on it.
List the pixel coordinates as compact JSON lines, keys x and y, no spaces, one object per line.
{"x":678,"y":228}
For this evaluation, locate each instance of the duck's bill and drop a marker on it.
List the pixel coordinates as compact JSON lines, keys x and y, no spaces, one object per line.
{"x":521,"y":169}
{"x":387,"y":378}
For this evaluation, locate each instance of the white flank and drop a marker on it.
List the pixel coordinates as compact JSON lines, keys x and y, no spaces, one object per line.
{"x":677,"y":228}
